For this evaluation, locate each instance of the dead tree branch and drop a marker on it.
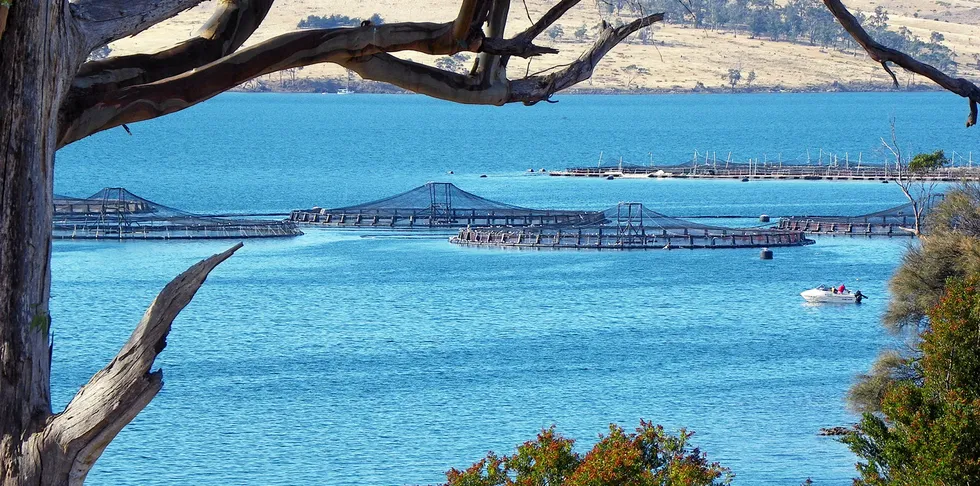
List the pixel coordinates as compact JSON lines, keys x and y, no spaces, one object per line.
{"x":118,"y":392}
{"x":883,"y":55}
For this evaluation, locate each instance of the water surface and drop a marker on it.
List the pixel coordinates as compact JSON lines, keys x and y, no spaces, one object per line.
{"x":344,"y":357}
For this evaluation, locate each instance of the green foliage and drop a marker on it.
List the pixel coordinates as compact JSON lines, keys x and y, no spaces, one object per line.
{"x":734,"y":76}
{"x":6,"y":3}
{"x":41,"y":322}
{"x":890,"y":369}
{"x":951,"y":250}
{"x":335,"y":21}
{"x":647,"y":457}
{"x":929,"y":432}
{"x":931,"y":161}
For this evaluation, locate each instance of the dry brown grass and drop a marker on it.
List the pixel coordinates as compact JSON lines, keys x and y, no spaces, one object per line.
{"x":679,"y":58}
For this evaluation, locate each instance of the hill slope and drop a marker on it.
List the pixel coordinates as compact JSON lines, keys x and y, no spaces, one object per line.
{"x":678,"y":58}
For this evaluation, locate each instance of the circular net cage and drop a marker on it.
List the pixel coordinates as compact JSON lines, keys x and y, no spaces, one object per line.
{"x":435,"y":205}
{"x":115,"y":213}
{"x":896,"y":221}
{"x":631,"y":226}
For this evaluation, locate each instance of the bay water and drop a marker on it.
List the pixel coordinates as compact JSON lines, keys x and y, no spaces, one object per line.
{"x":379,"y":358}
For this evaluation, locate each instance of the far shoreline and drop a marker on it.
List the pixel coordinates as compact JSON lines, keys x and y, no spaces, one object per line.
{"x":330,"y":86}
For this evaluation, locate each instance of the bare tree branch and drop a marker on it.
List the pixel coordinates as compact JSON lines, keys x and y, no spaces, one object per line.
{"x":103,"y":21}
{"x":463,"y":89}
{"x":882,"y":54}
{"x":118,"y":392}
{"x":360,"y":49}
{"x":536,"y":88}
{"x":552,"y":16}
{"x":489,"y":64}
{"x":293,"y":49}
{"x":232,"y":23}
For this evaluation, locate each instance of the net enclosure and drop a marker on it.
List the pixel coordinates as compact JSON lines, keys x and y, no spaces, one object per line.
{"x":895,"y":221}
{"x":436,"y":205}
{"x":630,"y":225}
{"x":115,"y":213}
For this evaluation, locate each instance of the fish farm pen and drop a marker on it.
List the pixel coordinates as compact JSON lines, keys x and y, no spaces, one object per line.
{"x":117,"y":214}
{"x":435,"y":205}
{"x":896,"y":221}
{"x":630,"y":226}
{"x":767,"y":171}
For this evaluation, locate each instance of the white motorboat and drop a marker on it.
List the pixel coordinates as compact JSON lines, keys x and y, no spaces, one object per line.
{"x":825,"y":294}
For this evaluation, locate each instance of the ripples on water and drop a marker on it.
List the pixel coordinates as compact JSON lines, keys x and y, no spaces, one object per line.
{"x":332,"y":358}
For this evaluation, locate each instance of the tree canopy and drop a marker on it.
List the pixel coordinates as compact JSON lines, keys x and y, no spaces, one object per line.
{"x":929,"y":429}
{"x":647,"y":457}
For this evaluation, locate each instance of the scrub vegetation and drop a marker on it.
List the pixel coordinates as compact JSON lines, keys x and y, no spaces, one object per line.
{"x":921,"y":420}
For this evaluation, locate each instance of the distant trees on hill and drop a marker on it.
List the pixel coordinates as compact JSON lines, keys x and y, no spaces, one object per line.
{"x":799,"y":21}
{"x":335,"y":20}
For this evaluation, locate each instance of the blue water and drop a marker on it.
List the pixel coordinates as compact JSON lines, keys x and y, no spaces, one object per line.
{"x":342,"y":357}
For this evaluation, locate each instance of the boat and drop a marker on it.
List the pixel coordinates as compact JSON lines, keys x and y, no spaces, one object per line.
{"x":825,"y":294}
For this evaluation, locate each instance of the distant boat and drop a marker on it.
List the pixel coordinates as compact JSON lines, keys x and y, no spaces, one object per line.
{"x":824,"y":294}
{"x":344,"y":91}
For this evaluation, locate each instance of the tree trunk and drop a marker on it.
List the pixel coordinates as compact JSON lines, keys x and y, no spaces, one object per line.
{"x":32,"y":73}
{"x":36,"y":64}
{"x":39,"y":54}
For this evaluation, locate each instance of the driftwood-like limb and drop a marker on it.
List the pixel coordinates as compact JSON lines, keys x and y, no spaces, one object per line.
{"x":118,"y":392}
{"x":882,"y":55}
{"x":103,"y":21}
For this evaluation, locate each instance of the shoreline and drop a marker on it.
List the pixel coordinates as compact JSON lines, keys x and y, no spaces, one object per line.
{"x":330,"y":86}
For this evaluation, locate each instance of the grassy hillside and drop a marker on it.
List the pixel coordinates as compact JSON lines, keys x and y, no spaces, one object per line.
{"x":677,"y":58}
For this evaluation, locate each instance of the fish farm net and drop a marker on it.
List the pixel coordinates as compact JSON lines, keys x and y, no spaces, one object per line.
{"x":115,"y":213}
{"x":631,"y":226}
{"x":436,"y":205}
{"x":896,"y":221}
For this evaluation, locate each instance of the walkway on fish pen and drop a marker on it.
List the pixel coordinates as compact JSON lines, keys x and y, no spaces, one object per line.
{"x":117,"y":214}
{"x":896,"y":221}
{"x":630,"y":226}
{"x":436,"y":205}
{"x":768,"y":171}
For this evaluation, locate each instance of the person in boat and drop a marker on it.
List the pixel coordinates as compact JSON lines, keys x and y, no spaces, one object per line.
{"x":841,"y":289}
